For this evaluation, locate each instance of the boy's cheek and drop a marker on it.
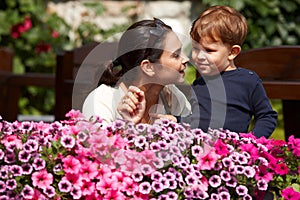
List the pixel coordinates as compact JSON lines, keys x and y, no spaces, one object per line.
{"x":194,"y":55}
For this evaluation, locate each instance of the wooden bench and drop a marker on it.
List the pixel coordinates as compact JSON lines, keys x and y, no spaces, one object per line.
{"x":11,"y":84}
{"x":6,"y":66}
{"x":279,"y":69}
{"x":77,"y":73}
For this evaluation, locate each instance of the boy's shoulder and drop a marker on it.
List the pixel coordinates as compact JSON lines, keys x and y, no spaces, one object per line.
{"x":246,"y":74}
{"x":239,"y":73}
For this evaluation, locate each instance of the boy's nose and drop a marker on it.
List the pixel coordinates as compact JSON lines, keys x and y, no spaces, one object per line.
{"x":201,"y":54}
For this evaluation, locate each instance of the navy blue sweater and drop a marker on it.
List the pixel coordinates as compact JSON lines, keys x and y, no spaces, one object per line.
{"x":230,"y":101}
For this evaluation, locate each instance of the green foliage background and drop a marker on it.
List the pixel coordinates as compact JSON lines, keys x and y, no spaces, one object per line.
{"x":35,"y":100}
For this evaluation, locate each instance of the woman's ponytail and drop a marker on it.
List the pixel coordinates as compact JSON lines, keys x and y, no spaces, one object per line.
{"x":112,"y":74}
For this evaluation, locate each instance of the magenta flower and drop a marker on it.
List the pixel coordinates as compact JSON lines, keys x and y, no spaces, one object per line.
{"x":27,"y":192}
{"x":24,"y":156}
{"x":64,"y":186}
{"x":262,"y":184}
{"x":294,"y":144}
{"x":163,"y":161}
{"x":89,"y":170}
{"x":76,"y":192}
{"x":221,"y":148}
{"x":208,"y":161}
{"x":224,"y":196}
{"x":249,"y":171}
{"x":107,"y":182}
{"x":247,"y":197}
{"x":42,"y":179}
{"x":16,"y":170}
{"x":129,"y":186}
{"x":67,"y":141}
{"x":2,"y":186}
{"x":225,"y":175}
{"x":290,"y":194}
{"x":241,"y":190}
{"x":27,"y":169}
{"x":281,"y":169}
{"x":145,"y":188}
{"x":88,"y":188}
{"x":71,"y":164}
{"x":262,"y":173}
{"x":196,"y":150}
{"x":39,"y":164}
{"x":172,"y":195}
{"x":74,"y":179}
{"x":215,"y":181}
{"x":251,"y":149}
{"x":49,"y":191}
{"x":157,"y":186}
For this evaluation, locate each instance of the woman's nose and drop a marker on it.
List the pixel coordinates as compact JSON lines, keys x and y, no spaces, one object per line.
{"x":185,"y":59}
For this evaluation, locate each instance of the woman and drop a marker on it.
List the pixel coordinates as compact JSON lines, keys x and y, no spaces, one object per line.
{"x":138,"y":85}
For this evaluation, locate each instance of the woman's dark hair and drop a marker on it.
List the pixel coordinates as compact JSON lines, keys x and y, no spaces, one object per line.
{"x":142,"y":40}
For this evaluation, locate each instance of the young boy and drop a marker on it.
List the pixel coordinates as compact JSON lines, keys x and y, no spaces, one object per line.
{"x":226,"y":96}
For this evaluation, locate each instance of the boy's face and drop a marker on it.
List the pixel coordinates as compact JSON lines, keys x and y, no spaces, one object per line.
{"x":211,"y":57}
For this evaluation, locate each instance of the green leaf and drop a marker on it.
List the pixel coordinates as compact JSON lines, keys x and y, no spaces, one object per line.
{"x":11,"y":3}
{"x":296,"y":187}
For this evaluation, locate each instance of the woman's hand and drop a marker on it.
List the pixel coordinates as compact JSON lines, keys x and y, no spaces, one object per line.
{"x":133,"y":104}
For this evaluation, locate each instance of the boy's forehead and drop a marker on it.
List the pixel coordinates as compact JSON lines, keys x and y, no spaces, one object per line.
{"x":206,"y":41}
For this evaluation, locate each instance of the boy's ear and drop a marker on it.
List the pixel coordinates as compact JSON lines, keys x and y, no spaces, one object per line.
{"x":235,"y":50}
{"x":147,"y":67}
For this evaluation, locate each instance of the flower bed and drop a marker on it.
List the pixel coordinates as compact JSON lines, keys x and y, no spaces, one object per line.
{"x":80,"y":159}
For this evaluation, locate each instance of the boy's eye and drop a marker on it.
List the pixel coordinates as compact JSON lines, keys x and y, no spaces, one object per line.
{"x":209,"y":50}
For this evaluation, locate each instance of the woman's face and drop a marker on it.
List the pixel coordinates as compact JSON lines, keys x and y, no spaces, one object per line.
{"x":172,"y":63}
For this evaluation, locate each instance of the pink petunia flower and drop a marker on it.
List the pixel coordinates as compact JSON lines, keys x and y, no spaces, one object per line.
{"x":129,"y":186}
{"x":251,"y":149}
{"x":262,"y":173}
{"x":42,"y":179}
{"x":221,"y":148}
{"x":114,"y":194}
{"x":76,"y":192}
{"x":281,"y":169}
{"x":89,"y":170}
{"x":67,"y":141}
{"x":294,"y":144}
{"x":145,"y":188}
{"x":87,"y":188}
{"x":50,"y":191}
{"x":27,"y":192}
{"x":290,"y":194}
{"x":74,"y":179}
{"x":71,"y":164}
{"x":208,"y":161}
{"x":64,"y":185}
{"x":107,"y":182}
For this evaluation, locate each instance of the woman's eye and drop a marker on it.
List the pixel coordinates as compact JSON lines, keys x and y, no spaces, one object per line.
{"x":176,"y":55}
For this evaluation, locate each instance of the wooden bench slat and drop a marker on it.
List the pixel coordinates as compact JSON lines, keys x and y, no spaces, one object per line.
{"x":282,"y":90}
{"x":279,"y":69}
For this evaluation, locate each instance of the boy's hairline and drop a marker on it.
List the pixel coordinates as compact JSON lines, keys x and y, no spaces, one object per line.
{"x":215,"y":34}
